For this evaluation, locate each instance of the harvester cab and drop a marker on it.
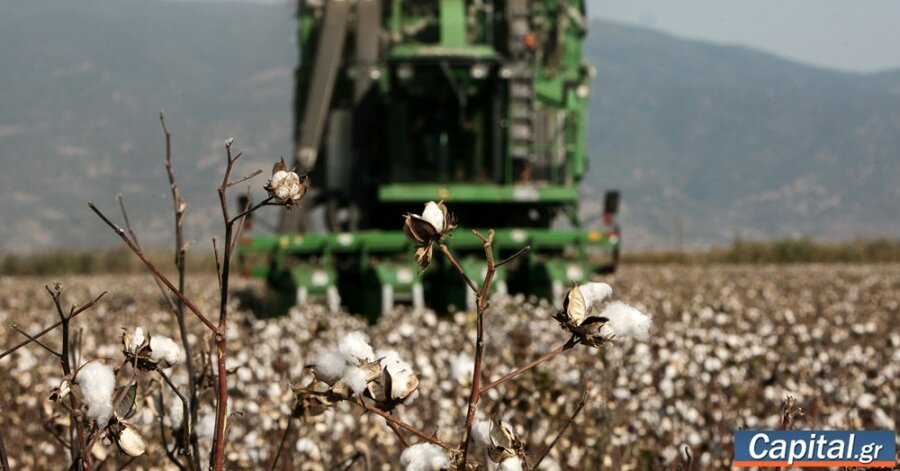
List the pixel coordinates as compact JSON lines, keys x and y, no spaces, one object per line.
{"x":478,"y":103}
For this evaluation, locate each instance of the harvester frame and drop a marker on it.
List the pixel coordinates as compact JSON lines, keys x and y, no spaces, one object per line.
{"x":478,"y":103}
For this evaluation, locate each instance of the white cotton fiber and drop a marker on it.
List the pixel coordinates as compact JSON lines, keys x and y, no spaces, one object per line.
{"x":594,"y":293}
{"x":424,"y":457}
{"x":330,"y":365}
{"x":137,"y":338}
{"x":164,"y":350}
{"x":481,"y":432}
{"x":462,"y":366}
{"x":356,"y":379}
{"x":510,"y":464}
{"x":176,"y":413}
{"x":356,"y":348}
{"x":625,"y":322}
{"x":206,"y":427}
{"x":307,"y":447}
{"x":400,"y":371}
{"x":97,"y":383}
{"x":434,"y":215}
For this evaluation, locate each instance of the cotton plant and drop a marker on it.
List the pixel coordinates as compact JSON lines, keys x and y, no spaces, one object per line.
{"x":150,"y":353}
{"x":107,"y":407}
{"x":355,"y":371}
{"x":615,"y":320}
{"x":97,"y":408}
{"x":286,"y":186}
{"x":504,"y":447}
{"x":428,"y":229}
{"x":586,"y":315}
{"x":156,"y":353}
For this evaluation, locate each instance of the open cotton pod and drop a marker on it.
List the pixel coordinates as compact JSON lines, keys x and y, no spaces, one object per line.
{"x":504,"y":444}
{"x":128,"y":438}
{"x":285,"y":186}
{"x":616,"y":320}
{"x":427,"y":228}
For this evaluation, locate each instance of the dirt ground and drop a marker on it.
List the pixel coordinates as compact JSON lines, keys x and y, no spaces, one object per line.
{"x":728,"y":344}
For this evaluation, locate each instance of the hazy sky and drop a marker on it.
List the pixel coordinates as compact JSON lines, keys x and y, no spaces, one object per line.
{"x":853,"y":35}
{"x":857,"y":35}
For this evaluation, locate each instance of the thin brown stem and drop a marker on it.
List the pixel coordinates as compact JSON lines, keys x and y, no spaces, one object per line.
{"x":249,"y":209}
{"x":35,"y":340}
{"x":242,"y":219}
{"x":482,"y":303}
{"x":170,"y":454}
{"x":185,"y":410}
{"x":4,"y":459}
{"x":50,"y":328}
{"x":281,"y":442}
{"x":179,"y":207}
{"x":688,"y":460}
{"x":409,"y":428}
{"x":243,"y":179}
{"x":459,"y":269}
{"x":215,"y":245}
{"x":134,"y":237}
{"x":82,"y":453}
{"x":549,"y":355}
{"x":137,"y":251}
{"x":222,"y":332}
{"x":399,"y":434}
{"x":522,"y":251}
{"x":565,"y":426}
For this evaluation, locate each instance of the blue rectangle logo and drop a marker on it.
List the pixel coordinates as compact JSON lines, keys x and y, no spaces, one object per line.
{"x":770,"y":448}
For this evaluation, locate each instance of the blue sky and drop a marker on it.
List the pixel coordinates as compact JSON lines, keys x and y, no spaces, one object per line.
{"x":852,"y":35}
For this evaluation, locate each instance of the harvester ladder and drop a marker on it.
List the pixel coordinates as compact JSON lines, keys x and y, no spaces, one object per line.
{"x":521,"y":82}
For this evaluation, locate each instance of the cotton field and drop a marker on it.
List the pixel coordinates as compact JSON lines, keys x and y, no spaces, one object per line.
{"x":726,"y":347}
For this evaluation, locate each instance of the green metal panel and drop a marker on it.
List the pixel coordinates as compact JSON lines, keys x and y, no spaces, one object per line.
{"x":315,"y":278}
{"x":396,"y":242}
{"x":453,"y":23}
{"x":437,"y":52}
{"x":475,"y":193}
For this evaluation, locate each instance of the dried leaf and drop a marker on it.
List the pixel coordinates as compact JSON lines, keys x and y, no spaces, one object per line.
{"x":126,"y":403}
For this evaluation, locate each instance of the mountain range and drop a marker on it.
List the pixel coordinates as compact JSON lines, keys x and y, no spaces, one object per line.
{"x":705,"y":141}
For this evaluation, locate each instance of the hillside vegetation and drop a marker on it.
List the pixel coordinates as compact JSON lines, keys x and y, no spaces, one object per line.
{"x":706,"y":142}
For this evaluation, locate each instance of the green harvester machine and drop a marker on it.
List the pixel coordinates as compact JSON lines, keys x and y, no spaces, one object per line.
{"x":479,"y":103}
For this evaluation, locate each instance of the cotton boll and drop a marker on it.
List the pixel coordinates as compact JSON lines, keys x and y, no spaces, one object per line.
{"x":175,"y":414}
{"x":165,"y":351}
{"x":424,"y":457}
{"x":355,"y":379}
{"x":434,"y":216}
{"x":355,"y":347}
{"x":330,"y":366}
{"x":510,"y":464}
{"x":461,"y":367}
{"x":307,"y":447}
{"x":279,"y":178}
{"x":97,"y":383}
{"x":206,"y":427}
{"x":401,"y":373}
{"x":137,"y":338}
{"x":481,"y":432}
{"x":594,"y":293}
{"x":626,"y":322}
{"x":388,"y":356}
